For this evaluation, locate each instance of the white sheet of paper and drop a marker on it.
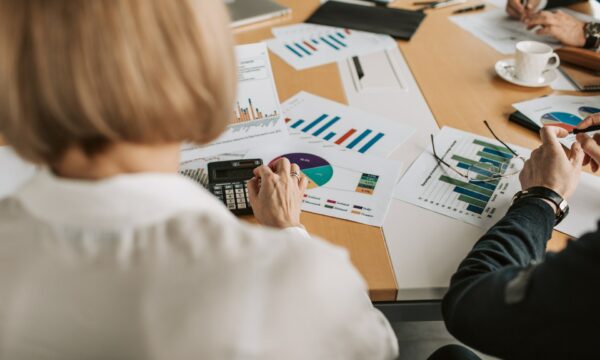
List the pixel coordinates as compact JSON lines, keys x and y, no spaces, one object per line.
{"x":584,"y":207}
{"x":13,"y":171}
{"x":307,"y":45}
{"x":435,"y":187}
{"x":257,"y":112}
{"x":344,"y":185}
{"x":324,"y":122}
{"x":405,"y":94}
{"x":562,"y":83}
{"x":560,"y":110}
{"x":498,"y":30}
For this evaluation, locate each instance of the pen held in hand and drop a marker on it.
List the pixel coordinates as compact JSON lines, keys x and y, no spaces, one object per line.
{"x":469,"y":9}
{"x":586,"y":130}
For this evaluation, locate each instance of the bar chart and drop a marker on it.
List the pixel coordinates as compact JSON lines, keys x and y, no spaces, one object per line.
{"x":367,"y":138}
{"x":336,"y":40}
{"x":341,"y":126}
{"x":249,"y":112}
{"x":256,"y":116}
{"x":474,"y":199}
{"x":307,"y":45}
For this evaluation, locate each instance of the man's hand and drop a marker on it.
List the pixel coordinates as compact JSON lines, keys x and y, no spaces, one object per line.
{"x":276,"y":196}
{"x":590,"y":144}
{"x":517,"y":10}
{"x":551,"y":167}
{"x":564,"y":28}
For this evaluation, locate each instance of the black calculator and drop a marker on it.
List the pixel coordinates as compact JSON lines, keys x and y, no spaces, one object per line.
{"x":227,"y":180}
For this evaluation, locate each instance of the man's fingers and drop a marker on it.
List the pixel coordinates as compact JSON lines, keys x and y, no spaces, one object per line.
{"x":589,"y":121}
{"x":586,"y":160}
{"x":589,"y":145}
{"x":577,"y":155}
{"x":550,"y":135}
{"x":515,"y":9}
{"x":282,"y":167}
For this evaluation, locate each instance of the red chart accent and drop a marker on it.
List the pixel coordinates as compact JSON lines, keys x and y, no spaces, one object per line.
{"x":347,"y":31}
{"x":345,"y":136}
{"x":310,"y":46}
{"x":287,"y":120}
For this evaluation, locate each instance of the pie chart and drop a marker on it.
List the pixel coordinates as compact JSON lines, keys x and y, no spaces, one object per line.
{"x":586,"y":111}
{"x":315,"y":168}
{"x":562,"y":119}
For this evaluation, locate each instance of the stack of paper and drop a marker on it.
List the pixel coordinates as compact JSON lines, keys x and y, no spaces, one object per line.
{"x":307,"y":45}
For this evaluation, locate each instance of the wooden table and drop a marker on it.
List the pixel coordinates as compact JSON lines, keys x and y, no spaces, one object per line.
{"x":455,"y":73}
{"x":453,"y":69}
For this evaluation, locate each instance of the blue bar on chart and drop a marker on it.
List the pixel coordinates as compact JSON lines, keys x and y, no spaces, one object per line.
{"x":334,"y":39}
{"x":326,"y":126}
{"x":475,"y":209}
{"x":293,"y":50}
{"x":303,"y":49}
{"x":329,"y":43}
{"x":329,"y":136}
{"x":341,"y":35}
{"x":297,"y":123}
{"x":314,"y":123}
{"x":370,"y":144}
{"x":359,"y":139}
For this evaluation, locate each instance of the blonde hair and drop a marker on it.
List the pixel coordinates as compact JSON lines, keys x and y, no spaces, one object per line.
{"x":93,"y":72}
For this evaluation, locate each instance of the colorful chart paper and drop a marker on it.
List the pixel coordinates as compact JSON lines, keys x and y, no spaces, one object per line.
{"x":345,"y":185}
{"x":433,"y":186}
{"x":256,"y":116}
{"x":562,"y":111}
{"x":307,"y":45}
{"x":320,"y":121}
{"x":315,"y":168}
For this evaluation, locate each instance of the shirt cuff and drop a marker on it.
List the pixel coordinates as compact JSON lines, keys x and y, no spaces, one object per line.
{"x":298,"y":231}
{"x":542,"y":5}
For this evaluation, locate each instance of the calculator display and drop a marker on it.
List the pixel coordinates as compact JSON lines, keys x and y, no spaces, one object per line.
{"x":236,"y":173}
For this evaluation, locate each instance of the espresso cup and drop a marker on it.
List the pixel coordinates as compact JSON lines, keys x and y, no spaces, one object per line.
{"x":532,"y":59}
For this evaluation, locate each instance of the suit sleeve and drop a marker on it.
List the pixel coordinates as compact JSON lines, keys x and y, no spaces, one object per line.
{"x":504,"y":293}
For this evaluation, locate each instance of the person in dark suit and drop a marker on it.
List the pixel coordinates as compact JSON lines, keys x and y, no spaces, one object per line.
{"x":565,"y":28}
{"x":512,"y":300}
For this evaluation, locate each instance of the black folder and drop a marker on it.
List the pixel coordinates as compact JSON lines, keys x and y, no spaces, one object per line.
{"x":398,"y":23}
{"x":518,"y":118}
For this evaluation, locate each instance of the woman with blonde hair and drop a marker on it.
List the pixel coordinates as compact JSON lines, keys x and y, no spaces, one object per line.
{"x":107,"y":253}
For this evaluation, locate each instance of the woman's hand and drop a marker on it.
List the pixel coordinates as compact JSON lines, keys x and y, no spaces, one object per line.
{"x":564,"y":28}
{"x":276,"y":195}
{"x":549,"y":166}
{"x":590,"y":144}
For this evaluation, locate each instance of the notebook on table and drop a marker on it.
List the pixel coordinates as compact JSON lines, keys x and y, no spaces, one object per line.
{"x":398,"y":23}
{"x":583,"y":79}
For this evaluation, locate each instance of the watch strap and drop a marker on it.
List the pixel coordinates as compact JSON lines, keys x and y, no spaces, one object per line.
{"x":541,"y":192}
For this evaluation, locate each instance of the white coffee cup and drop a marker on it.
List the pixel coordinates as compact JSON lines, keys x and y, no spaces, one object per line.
{"x":532,"y":59}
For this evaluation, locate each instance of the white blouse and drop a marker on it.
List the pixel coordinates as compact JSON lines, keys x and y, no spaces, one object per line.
{"x":151,"y":266}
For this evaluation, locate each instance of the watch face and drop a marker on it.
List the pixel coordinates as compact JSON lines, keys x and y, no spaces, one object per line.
{"x":592,"y":35}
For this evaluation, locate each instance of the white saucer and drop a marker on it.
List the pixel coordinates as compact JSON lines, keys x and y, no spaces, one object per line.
{"x":506,"y":70}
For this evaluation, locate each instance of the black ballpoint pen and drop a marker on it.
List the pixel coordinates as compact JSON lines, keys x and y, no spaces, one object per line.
{"x":587,"y":129}
{"x":469,"y":9}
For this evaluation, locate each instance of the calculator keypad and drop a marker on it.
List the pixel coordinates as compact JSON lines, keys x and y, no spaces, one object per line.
{"x":234,"y":196}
